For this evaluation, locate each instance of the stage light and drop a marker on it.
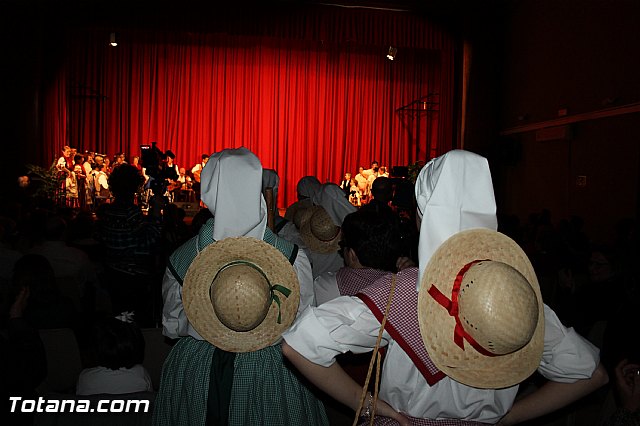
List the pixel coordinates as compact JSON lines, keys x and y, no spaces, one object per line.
{"x":392,"y":53}
{"x":112,"y":40}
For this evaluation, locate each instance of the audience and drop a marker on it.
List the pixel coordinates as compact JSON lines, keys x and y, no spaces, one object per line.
{"x":118,"y":350}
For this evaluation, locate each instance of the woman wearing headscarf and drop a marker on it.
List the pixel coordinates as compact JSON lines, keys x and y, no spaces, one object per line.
{"x":420,"y":384}
{"x":201,"y":383}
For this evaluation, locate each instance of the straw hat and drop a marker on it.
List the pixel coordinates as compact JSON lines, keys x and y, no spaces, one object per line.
{"x":241,"y":294}
{"x":319,"y":232}
{"x":497,"y":336}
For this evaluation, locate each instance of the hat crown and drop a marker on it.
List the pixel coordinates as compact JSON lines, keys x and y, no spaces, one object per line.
{"x":322,"y":226}
{"x":241,"y":296}
{"x":498,"y":307}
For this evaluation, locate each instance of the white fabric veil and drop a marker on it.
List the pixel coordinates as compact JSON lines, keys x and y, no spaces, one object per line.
{"x":454,"y":192}
{"x":232,"y":190}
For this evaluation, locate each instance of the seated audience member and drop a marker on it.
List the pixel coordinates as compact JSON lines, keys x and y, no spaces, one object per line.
{"x":370,"y":246}
{"x":227,"y":366}
{"x":23,"y":363}
{"x":627,"y":388}
{"x":382,"y":194}
{"x":47,"y":307}
{"x":72,"y":266}
{"x":457,"y":342}
{"x":8,"y":255}
{"x":321,"y":230}
{"x":119,"y":351}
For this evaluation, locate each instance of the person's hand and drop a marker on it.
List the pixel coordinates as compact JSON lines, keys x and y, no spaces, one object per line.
{"x":18,"y":306}
{"x":628,"y":385}
{"x":404,"y":262}
{"x":384,"y":409}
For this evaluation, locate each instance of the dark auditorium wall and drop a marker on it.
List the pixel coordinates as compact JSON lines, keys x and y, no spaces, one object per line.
{"x":582,"y":56}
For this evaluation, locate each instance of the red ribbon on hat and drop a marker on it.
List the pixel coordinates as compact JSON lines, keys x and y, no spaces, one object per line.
{"x":459,"y":334}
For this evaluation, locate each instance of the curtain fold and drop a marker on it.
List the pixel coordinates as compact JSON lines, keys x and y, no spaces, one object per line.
{"x":310,"y":92}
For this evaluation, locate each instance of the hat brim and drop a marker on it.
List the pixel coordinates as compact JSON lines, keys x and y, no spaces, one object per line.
{"x":468,"y":366}
{"x":313,"y":243}
{"x":197,"y":301}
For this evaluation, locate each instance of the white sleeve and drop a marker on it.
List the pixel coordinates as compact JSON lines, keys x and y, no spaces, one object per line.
{"x":325,"y":288}
{"x":341,"y":325}
{"x":567,"y":356}
{"x":174,"y":318}
{"x":302,"y":266}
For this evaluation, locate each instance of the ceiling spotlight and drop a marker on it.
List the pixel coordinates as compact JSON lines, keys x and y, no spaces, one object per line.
{"x":392,"y":53}
{"x":112,"y":40}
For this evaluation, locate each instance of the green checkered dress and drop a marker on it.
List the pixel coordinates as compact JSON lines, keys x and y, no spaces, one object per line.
{"x":263,"y":390}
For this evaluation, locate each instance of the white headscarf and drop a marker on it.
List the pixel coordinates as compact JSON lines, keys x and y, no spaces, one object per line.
{"x":331,"y":197}
{"x":454,"y":192}
{"x":308,"y":186}
{"x":231,"y":185}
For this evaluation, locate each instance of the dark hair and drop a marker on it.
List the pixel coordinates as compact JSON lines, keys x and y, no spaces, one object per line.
{"x":382,"y":189}
{"x":125,"y":180}
{"x":205,"y":156}
{"x":374,"y":237}
{"x":118,"y":344}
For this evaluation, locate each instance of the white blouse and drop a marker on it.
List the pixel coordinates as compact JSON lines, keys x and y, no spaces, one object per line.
{"x":346,"y":324}
{"x":98,"y":380}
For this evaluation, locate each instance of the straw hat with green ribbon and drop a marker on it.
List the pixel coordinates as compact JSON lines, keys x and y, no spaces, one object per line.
{"x":480,"y":310}
{"x":241,"y":294}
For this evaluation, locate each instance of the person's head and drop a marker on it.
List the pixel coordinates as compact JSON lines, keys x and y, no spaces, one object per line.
{"x":374,"y":165}
{"x":135,"y":160}
{"x":373,"y":238}
{"x":205,"y":158}
{"x":124,"y":182}
{"x":347,"y":176}
{"x":78,"y":159}
{"x":55,"y":228}
{"x":382,"y":189}
{"x":601,"y":264}
{"x":170,"y":156}
{"x":98,"y":159}
{"x":383,"y":169}
{"x":118,"y":343}
{"x":360,"y":169}
{"x":120,"y":158}
{"x":34,"y":271}
{"x":66,"y":151}
{"x":307,"y":187}
{"x":182,"y":171}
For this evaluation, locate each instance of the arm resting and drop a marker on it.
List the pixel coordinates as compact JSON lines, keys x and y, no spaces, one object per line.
{"x":553,"y":396}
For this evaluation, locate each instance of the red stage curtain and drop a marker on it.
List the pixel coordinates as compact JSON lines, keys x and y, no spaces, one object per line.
{"x":310,"y":93}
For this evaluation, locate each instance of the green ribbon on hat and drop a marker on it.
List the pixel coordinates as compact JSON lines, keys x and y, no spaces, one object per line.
{"x":272,"y":288}
{"x":274,"y":297}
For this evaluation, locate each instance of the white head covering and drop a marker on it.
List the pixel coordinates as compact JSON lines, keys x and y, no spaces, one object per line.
{"x":454,"y":192}
{"x":232,"y":190}
{"x":332,"y":199}
{"x":308,"y":186}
